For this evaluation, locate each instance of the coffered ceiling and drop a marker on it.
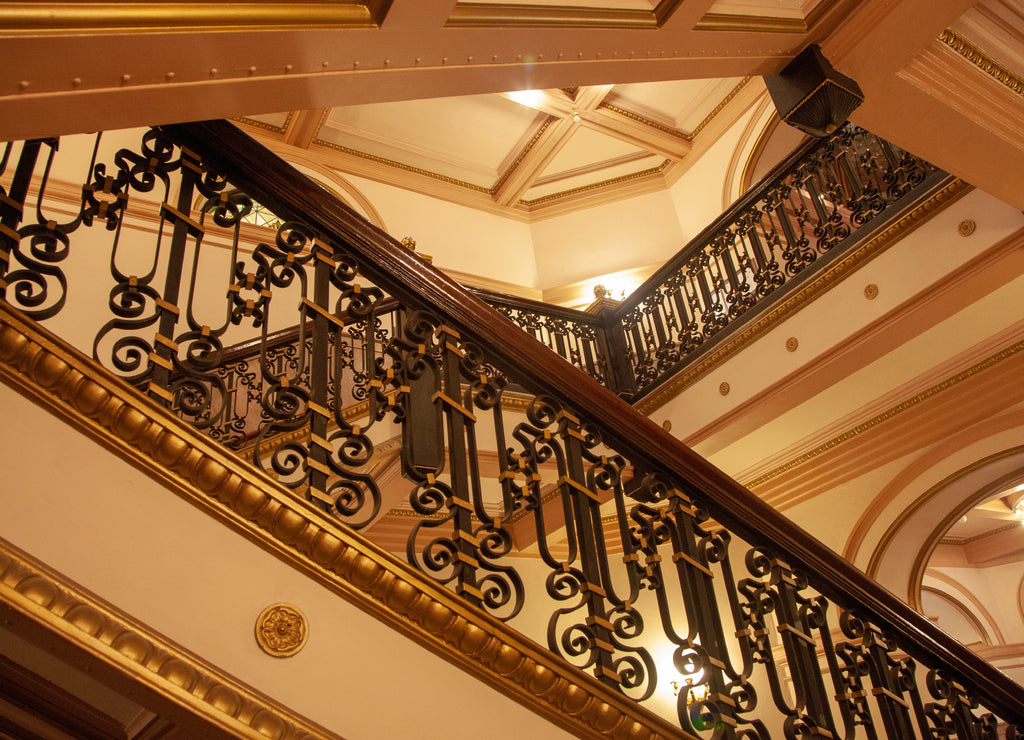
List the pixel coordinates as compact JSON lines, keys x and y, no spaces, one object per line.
{"x":521,"y":153}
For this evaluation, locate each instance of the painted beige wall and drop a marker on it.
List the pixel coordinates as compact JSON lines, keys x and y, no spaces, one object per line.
{"x":457,"y":237}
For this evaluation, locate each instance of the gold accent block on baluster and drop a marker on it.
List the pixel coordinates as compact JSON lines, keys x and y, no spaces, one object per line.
{"x":281,"y":630}
{"x":461,"y":503}
{"x":454,"y":404}
{"x":788,"y":628}
{"x":882,"y":691}
{"x":567,"y":481}
{"x":464,"y":536}
{"x":319,"y":410}
{"x":599,"y":621}
{"x":465,"y":588}
{"x":677,"y":556}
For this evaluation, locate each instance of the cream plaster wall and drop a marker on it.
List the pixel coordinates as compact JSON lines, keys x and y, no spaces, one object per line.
{"x":106,"y":525}
{"x":457,"y":237}
{"x":998,"y":588}
{"x":605,"y":239}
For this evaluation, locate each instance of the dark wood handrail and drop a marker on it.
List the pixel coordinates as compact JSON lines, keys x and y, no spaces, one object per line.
{"x":281,"y":187}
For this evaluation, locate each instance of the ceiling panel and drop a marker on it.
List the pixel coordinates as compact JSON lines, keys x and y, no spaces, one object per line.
{"x":611,"y":172}
{"x":467,"y":138}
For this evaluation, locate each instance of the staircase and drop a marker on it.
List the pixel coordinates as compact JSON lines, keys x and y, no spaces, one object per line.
{"x":407,"y":417}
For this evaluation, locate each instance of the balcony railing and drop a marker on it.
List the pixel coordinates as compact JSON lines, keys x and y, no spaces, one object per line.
{"x":554,"y":507}
{"x":828,"y":196}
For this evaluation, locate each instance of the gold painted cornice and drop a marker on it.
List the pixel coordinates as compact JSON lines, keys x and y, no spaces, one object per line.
{"x":764,"y":24}
{"x":980,"y":59}
{"x":75,"y":17}
{"x":77,"y":390}
{"x":34,"y":592}
{"x":870,"y":249}
{"x":514,"y":15}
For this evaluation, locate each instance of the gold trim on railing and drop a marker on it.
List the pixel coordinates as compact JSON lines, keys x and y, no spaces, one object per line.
{"x":79,"y":391}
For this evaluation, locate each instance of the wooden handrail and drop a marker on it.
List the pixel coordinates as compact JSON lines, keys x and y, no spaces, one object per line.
{"x":283,"y":188}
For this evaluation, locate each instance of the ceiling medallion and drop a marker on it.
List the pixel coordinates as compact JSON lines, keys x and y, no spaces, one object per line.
{"x":724,"y":389}
{"x":281,"y":630}
{"x":871,"y":291}
{"x":791,"y":344}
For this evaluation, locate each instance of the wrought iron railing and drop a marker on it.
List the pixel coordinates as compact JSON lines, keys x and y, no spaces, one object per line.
{"x":829,"y":195}
{"x":557,"y":508}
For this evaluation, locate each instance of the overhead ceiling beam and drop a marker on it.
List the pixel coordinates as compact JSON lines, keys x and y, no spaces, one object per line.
{"x":646,"y":135}
{"x":543,"y":149}
{"x":304,"y":126}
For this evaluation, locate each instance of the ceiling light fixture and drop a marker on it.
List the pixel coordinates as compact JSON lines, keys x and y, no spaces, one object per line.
{"x":811,"y":95}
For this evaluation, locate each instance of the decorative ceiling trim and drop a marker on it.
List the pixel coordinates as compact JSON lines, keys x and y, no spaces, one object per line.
{"x":646,"y":121}
{"x":65,"y":17}
{"x":400,"y":166}
{"x":597,"y":185}
{"x":960,"y":541}
{"x":960,"y":608}
{"x":980,"y":59}
{"x":267,"y":126}
{"x":764,"y":24}
{"x":105,"y":636}
{"x":861,"y":255}
{"x":537,"y":135}
{"x":513,"y":15}
{"x":720,"y":107}
{"x":79,"y":392}
{"x":950,"y":581}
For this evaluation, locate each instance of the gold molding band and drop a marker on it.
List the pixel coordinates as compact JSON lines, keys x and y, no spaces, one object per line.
{"x":75,"y":17}
{"x":719,"y":108}
{"x":980,"y":59}
{"x":598,"y":185}
{"x":515,"y":15}
{"x":79,"y":391}
{"x":48,"y":599}
{"x":764,"y":24}
{"x":399,"y":165}
{"x":867,"y":251}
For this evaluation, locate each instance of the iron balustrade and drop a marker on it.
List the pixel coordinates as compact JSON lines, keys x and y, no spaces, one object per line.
{"x":828,"y":195}
{"x":391,"y":406}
